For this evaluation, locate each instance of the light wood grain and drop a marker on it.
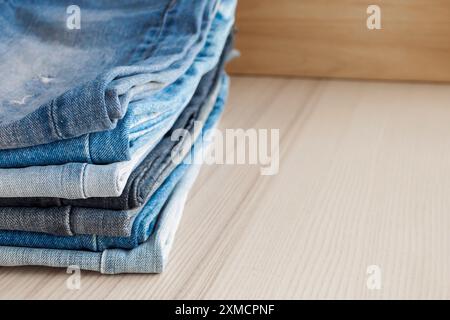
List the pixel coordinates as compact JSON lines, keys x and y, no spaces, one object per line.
{"x":326,"y":38}
{"x":364,"y":180}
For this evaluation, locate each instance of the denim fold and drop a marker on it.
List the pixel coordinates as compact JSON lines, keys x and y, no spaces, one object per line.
{"x":107,"y":112}
{"x":155,"y":176}
{"x":81,"y":180}
{"x":149,"y":257}
{"x":150,"y":173}
{"x":83,"y":80}
{"x":144,"y":222}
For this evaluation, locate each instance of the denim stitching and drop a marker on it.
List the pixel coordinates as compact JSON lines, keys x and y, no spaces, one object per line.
{"x":53,"y":120}
{"x":164,"y":164}
{"x":103,"y":261}
{"x":139,"y":51}
{"x":83,"y":180}
{"x":146,"y":176}
{"x":95,"y":241}
{"x":87,"y":148}
{"x":116,"y":184}
{"x":69,"y":221}
{"x":142,"y":177}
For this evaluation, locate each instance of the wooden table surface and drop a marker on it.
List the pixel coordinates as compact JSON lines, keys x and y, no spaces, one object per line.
{"x":364,"y":180}
{"x":323,"y":38}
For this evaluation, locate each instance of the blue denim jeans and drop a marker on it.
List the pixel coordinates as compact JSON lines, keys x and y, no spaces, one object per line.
{"x":144,"y":180}
{"x":145,"y":220}
{"x":80,"y":180}
{"x":98,"y":147}
{"x":83,"y":80}
{"x":153,"y":181}
{"x":149,"y":257}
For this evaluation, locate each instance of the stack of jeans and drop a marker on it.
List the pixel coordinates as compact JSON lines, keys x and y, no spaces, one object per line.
{"x":92,"y":119}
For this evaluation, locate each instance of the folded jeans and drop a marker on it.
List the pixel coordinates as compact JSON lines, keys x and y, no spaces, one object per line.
{"x":149,"y":257}
{"x":80,"y":180}
{"x":144,"y":221}
{"x":155,"y":177}
{"x":82,"y":81}
{"x":146,"y":178}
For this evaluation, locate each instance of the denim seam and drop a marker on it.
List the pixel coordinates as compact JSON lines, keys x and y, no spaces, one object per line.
{"x":95,"y":241}
{"x":103,"y":261}
{"x":116,"y":184}
{"x":140,"y":51}
{"x":139,"y":195}
{"x":169,"y":30}
{"x":147,"y":172}
{"x":83,"y":180}
{"x":69,"y":222}
{"x":53,"y":122}
{"x":141,"y":178}
{"x":87,"y":148}
{"x":164,"y":21}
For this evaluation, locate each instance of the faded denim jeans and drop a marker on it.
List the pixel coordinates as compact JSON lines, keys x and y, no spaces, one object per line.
{"x":80,"y":180}
{"x":82,"y":81}
{"x":152,"y":182}
{"x":143,"y":181}
{"x":145,"y":221}
{"x":149,"y":257}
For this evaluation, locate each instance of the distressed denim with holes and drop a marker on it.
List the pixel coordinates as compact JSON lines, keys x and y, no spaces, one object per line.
{"x":58,"y":83}
{"x":144,"y":222}
{"x":81,"y":180}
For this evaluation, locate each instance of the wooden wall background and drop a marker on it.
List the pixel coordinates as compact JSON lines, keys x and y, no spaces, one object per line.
{"x":330,"y":38}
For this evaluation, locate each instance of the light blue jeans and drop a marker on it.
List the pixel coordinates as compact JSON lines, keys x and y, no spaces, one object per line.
{"x":81,"y":180}
{"x":59,"y":80}
{"x":144,"y":221}
{"x":73,"y":220}
{"x":150,"y":256}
